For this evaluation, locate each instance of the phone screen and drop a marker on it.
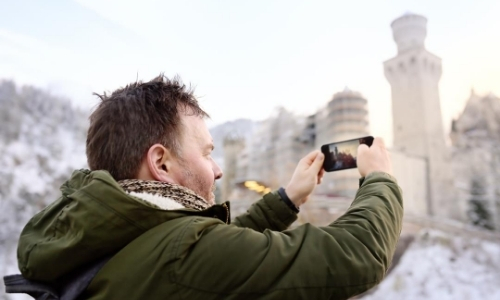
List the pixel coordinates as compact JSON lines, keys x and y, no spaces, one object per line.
{"x":343,"y":155}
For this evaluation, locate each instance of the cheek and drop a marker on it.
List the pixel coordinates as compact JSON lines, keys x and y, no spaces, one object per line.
{"x":208,"y":172}
{"x":201,"y":167}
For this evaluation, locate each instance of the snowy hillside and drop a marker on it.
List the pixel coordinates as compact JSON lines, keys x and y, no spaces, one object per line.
{"x":440,"y":266}
{"x":42,"y":140}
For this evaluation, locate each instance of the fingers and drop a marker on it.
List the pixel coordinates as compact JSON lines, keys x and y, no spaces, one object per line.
{"x":318,"y":161}
{"x":320,"y":175}
{"x":373,"y":159}
{"x":306,"y":177}
{"x":379,"y":142}
{"x":311,"y":157}
{"x":362,"y":148}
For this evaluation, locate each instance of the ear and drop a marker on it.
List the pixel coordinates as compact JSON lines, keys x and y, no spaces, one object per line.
{"x":159,"y":161}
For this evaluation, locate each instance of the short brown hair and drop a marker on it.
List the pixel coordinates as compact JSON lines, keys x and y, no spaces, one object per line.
{"x":129,"y":121}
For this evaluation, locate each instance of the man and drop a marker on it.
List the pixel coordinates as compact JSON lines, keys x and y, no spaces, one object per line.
{"x":147,"y":208}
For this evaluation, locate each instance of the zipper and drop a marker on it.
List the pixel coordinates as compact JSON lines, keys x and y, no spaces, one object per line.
{"x":227,"y":212}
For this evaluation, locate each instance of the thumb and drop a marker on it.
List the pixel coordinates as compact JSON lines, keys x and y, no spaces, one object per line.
{"x":318,"y":162}
{"x":362,"y":148}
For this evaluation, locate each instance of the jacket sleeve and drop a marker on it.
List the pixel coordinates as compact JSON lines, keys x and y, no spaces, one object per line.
{"x":337,"y":261}
{"x":270,"y":212}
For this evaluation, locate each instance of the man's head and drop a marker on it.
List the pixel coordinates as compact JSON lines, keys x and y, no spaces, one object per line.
{"x":153,"y":131}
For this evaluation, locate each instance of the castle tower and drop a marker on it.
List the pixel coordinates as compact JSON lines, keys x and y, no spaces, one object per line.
{"x":345,"y":117}
{"x":414,"y":76}
{"x":233,"y":149}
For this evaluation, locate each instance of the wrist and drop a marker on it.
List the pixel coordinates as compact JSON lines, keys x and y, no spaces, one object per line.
{"x":369,"y":172}
{"x":374,"y":174}
{"x":286,"y":199}
{"x":292,"y":195}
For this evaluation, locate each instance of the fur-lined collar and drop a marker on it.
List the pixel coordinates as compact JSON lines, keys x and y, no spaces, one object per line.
{"x":159,"y":201}
{"x":163,"y":195}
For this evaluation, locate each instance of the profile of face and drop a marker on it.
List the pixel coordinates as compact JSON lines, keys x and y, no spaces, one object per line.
{"x":193,"y":167}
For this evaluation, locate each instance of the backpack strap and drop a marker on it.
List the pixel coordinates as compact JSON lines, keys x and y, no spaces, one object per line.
{"x":70,"y":288}
{"x":37,"y":290}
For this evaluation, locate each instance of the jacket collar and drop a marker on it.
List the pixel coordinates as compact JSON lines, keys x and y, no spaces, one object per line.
{"x":219,"y":211}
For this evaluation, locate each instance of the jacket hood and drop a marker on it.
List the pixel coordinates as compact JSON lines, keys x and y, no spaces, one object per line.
{"x":93,"y":218}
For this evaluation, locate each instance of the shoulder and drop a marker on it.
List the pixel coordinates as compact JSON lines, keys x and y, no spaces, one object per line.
{"x":183,"y":232}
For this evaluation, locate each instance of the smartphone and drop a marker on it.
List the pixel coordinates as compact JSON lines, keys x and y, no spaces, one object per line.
{"x":343,"y":155}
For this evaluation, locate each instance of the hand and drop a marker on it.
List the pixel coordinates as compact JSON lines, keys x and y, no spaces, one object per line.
{"x":308,"y":173}
{"x":374,"y":158}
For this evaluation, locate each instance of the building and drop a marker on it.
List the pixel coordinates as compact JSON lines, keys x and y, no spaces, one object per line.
{"x":344,"y":117}
{"x":275,"y":149}
{"x":268,"y":159}
{"x":233,"y":148}
{"x":270,"y":156}
{"x":475,"y":137}
{"x":422,"y":161}
{"x":414,"y":75}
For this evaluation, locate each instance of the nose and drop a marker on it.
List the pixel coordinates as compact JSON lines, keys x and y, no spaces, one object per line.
{"x":217,"y":171}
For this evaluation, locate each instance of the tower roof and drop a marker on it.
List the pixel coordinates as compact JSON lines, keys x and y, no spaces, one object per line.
{"x":347,"y":93}
{"x":409,"y":31}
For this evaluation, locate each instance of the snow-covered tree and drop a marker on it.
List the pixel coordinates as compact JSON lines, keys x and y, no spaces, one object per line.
{"x":478,"y":211}
{"x":42,"y":140}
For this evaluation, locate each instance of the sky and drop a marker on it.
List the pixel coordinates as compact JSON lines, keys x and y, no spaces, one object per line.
{"x":245,"y":58}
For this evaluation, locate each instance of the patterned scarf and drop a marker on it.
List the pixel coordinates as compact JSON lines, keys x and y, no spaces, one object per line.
{"x":163,"y":195}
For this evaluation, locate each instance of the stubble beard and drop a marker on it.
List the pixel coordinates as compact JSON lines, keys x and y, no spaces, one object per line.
{"x":195,"y":183}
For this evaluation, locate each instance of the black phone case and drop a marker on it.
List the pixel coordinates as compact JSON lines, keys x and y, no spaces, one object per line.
{"x":337,"y":161}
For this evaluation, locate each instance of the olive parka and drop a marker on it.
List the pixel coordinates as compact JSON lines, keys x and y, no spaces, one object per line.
{"x":188,"y":254}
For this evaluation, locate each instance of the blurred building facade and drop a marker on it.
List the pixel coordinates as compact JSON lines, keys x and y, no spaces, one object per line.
{"x":233,"y":153}
{"x":475,"y":137}
{"x":438,"y":181}
{"x":344,"y":117}
{"x":268,"y":159}
{"x":414,"y":75}
{"x":279,"y":142}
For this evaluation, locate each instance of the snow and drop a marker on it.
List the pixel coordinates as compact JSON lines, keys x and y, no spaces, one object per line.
{"x":443,"y":266}
{"x":42,"y":140}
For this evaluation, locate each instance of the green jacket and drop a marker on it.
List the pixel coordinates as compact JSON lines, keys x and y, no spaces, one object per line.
{"x":187,"y":254}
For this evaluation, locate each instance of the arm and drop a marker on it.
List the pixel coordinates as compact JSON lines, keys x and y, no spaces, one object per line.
{"x":337,"y":261}
{"x":272,"y":212}
{"x":268,"y":213}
